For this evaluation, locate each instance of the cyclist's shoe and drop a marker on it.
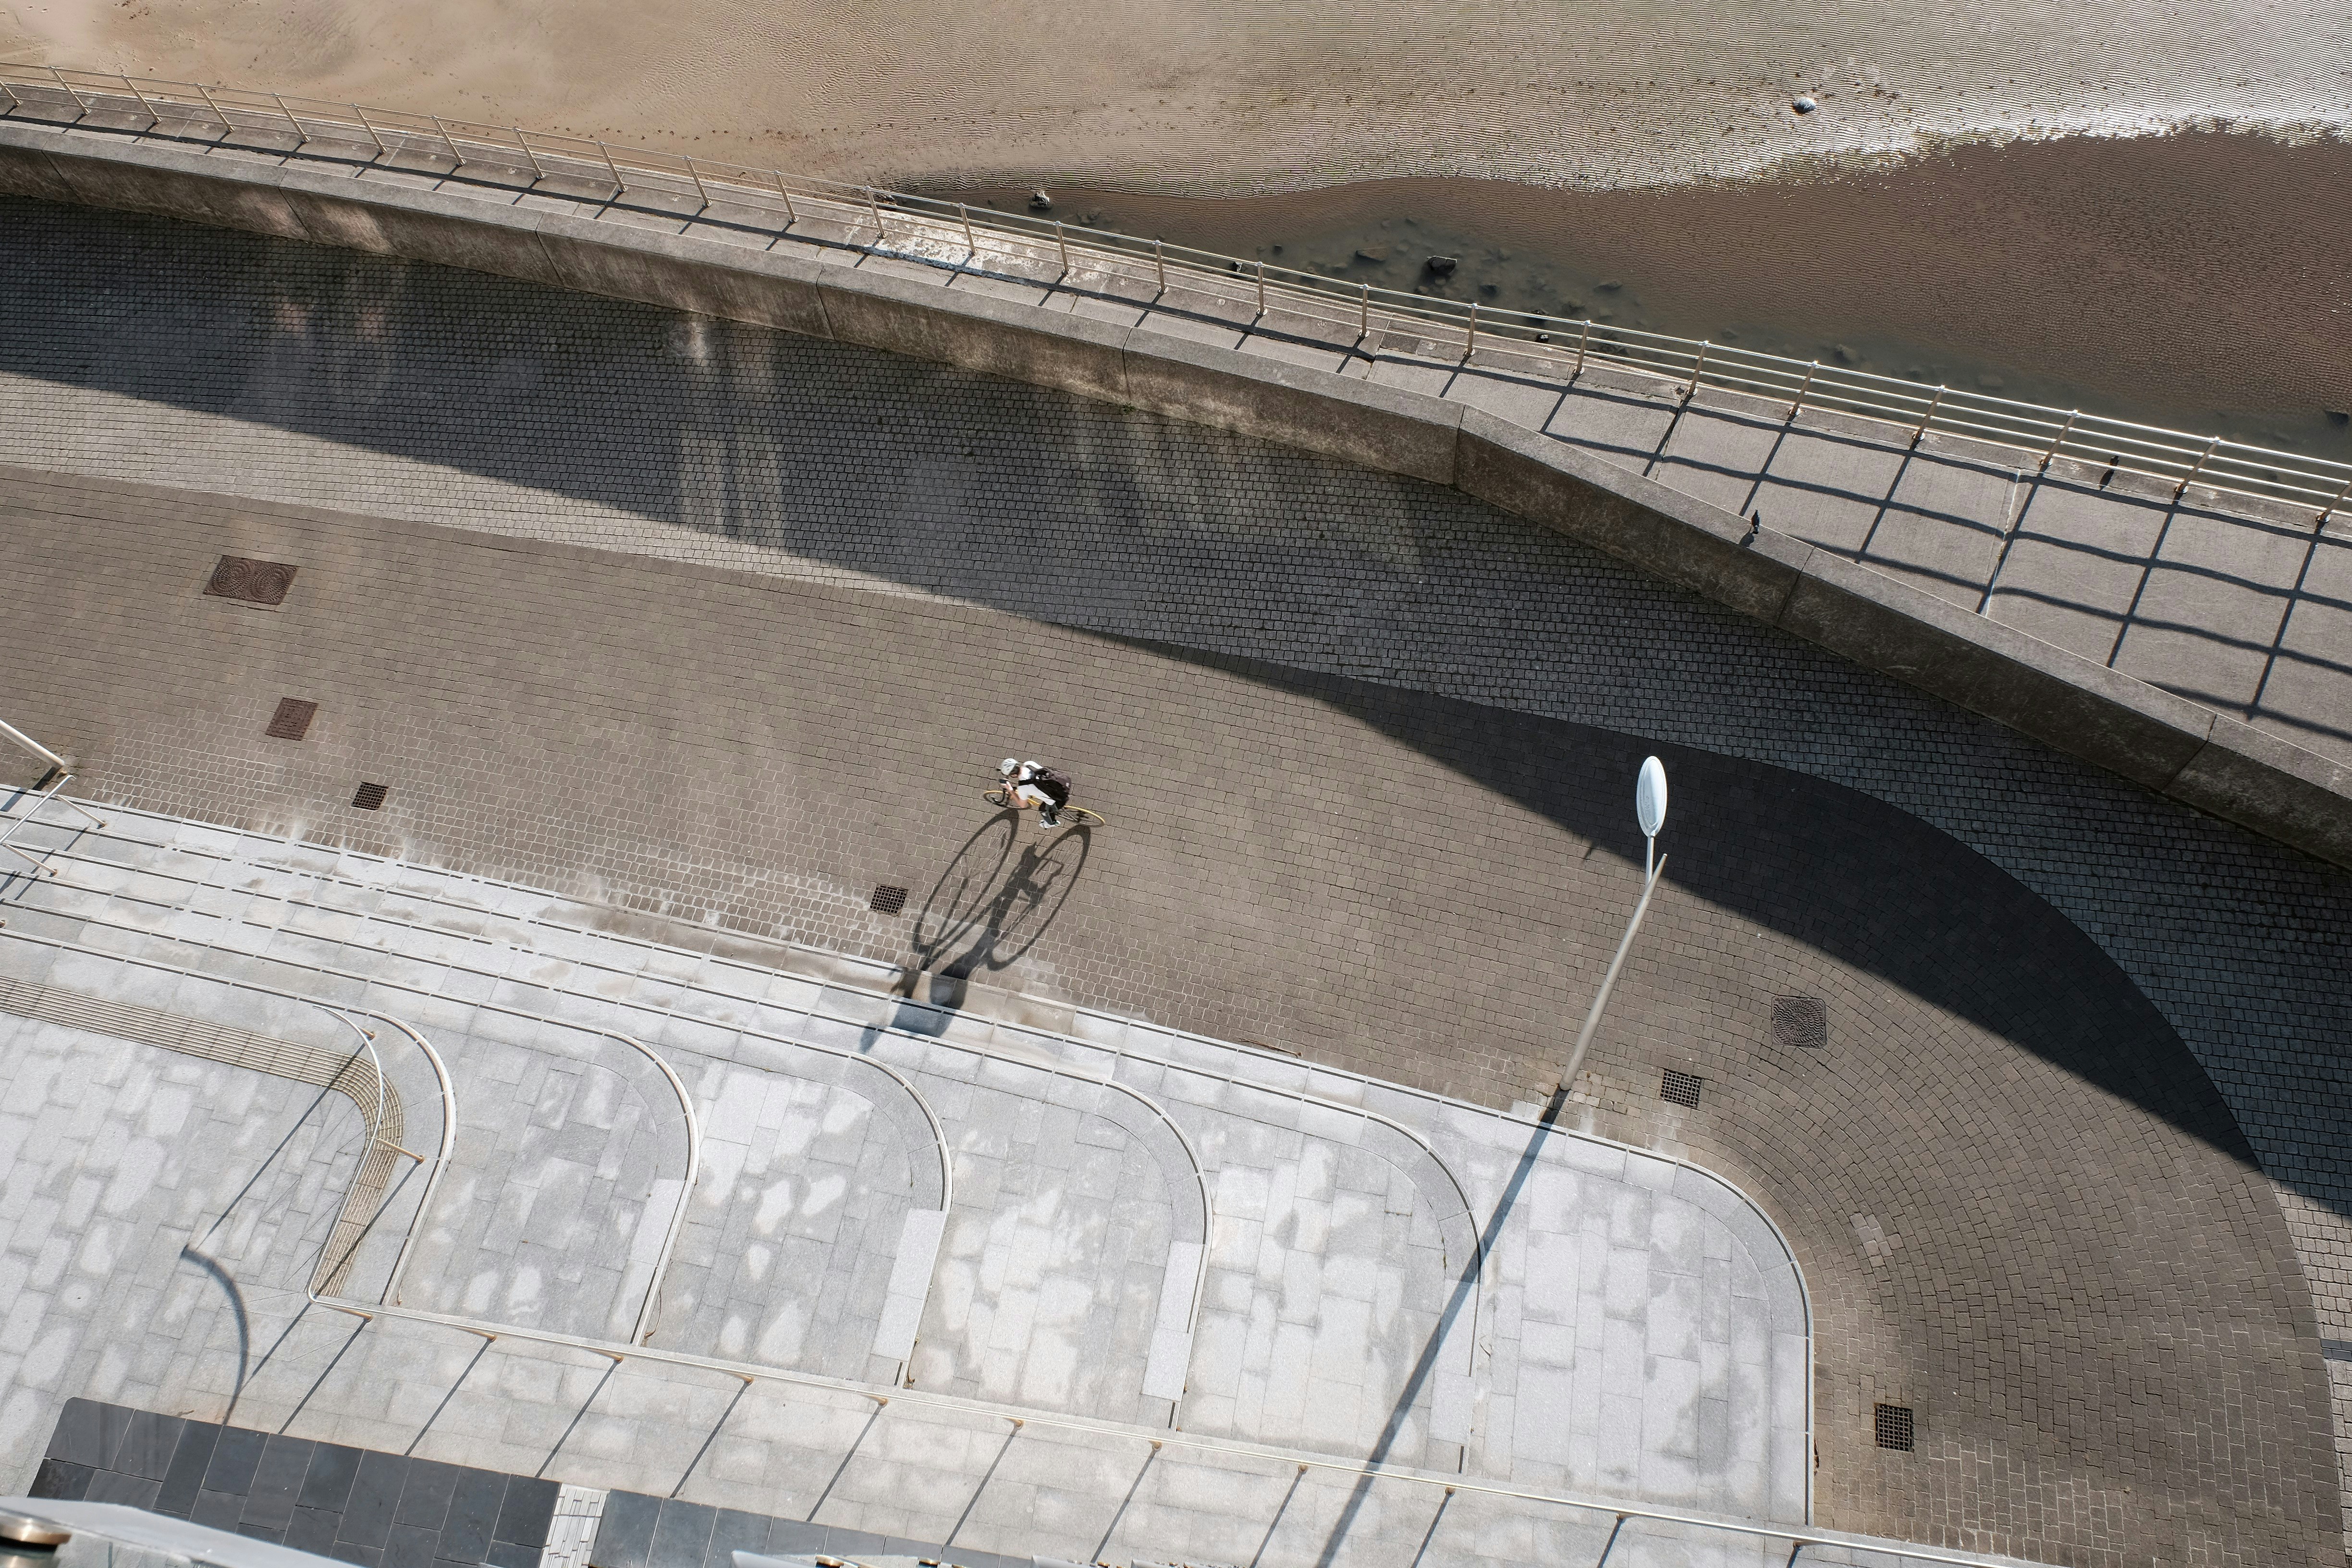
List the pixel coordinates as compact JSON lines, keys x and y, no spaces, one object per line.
{"x":1049,"y":817}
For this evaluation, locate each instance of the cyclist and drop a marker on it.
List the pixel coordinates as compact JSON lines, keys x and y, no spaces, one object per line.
{"x":1031,"y":784}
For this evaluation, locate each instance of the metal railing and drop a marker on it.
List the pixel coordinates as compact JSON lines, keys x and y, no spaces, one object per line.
{"x":333,"y":1260}
{"x":1798,"y":1538}
{"x":59,"y":775}
{"x":1280,"y":300}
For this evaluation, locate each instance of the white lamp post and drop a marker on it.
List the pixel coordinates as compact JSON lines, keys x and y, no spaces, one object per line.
{"x":1650,"y":811}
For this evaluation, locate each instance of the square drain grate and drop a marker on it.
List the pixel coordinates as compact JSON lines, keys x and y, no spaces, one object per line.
{"x":1893,"y":1425}
{"x":371,"y":796}
{"x":293,"y":720}
{"x":1800,"y":1023}
{"x":1680,"y":1087}
{"x":250,"y":582}
{"x":887,"y":900}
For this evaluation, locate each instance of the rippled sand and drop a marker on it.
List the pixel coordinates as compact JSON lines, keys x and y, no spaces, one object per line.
{"x":1977,"y":193}
{"x":2201,"y":281}
{"x":1228,"y":96}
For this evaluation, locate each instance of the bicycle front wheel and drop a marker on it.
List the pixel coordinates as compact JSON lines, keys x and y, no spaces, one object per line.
{"x":1000,"y":799}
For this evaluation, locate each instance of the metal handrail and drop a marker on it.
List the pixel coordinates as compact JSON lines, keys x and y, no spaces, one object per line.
{"x":1261,"y":297}
{"x":61,"y":775}
{"x":646,"y":1310}
{"x":493,"y":1332}
{"x":1409,"y":1092}
{"x":341,"y":1014}
{"x":648,"y":1306}
{"x":1041,"y":1061}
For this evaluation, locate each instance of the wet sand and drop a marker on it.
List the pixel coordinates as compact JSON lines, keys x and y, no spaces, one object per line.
{"x":2200,"y":280}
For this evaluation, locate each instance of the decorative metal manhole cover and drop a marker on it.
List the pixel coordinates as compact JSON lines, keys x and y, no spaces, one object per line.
{"x":251,"y":581}
{"x":1800,"y":1023}
{"x":371,"y":796}
{"x":1894,"y":1426}
{"x":1680,"y":1087}
{"x":293,"y":720}
{"x":887,"y":900}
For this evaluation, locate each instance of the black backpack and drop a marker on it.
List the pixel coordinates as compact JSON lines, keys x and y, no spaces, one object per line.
{"x":1055,"y":782}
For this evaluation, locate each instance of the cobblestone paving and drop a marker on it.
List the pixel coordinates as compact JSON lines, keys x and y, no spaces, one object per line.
{"x":498,"y":407}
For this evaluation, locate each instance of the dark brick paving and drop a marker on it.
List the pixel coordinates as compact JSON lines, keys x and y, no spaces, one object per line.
{"x":1953,"y":1165}
{"x":355,"y":1505}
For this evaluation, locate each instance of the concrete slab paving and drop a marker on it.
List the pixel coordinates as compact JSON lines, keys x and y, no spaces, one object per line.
{"x":2210,"y":571}
{"x":1343,"y":1310}
{"x":2073,"y":565}
{"x":2298,"y":689}
{"x":1412,"y":601}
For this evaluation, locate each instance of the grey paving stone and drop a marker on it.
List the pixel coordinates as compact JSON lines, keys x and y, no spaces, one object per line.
{"x":2216,"y":987}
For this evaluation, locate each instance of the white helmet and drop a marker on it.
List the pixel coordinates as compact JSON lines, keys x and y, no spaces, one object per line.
{"x":1010,"y":764}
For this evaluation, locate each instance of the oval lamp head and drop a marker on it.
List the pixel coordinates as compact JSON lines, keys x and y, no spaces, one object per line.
{"x":1650,"y":797}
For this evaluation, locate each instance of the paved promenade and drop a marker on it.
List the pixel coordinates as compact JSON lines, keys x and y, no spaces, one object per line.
{"x":2021,"y":1209}
{"x":1622,"y":1325}
{"x":2240,"y":605}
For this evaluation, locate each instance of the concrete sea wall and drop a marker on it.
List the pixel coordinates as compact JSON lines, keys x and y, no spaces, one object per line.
{"x":2162,"y":741}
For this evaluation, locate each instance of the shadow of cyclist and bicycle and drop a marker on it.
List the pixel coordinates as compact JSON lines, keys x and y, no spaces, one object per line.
{"x":997,"y":897}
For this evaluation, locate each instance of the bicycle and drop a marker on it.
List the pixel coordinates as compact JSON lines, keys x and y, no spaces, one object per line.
{"x":1071,"y":815}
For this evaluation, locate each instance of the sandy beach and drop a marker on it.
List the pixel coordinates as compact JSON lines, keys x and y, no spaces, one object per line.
{"x":2136,"y":208}
{"x":2197,"y":281}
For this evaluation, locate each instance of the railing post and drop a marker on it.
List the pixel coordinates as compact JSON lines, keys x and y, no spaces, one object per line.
{"x":1934,"y":404}
{"x":1261,"y":286}
{"x":457,"y":159}
{"x":2057,"y":441}
{"x":1159,"y":266}
{"x":1697,"y":366}
{"x":523,"y":141}
{"x":15,"y":103}
{"x":969,"y":243}
{"x":302,"y":137}
{"x":1804,"y":388}
{"x":1062,"y":239}
{"x":700,"y":188}
{"x":78,"y":104}
{"x":226,"y":129}
{"x":790,"y":218}
{"x":620,"y":186}
{"x":153,"y":119}
{"x":1470,"y":343}
{"x":1611,"y":1544}
{"x":1365,"y":331}
{"x":2330,"y":510}
{"x":1583,"y":339}
{"x":381,"y":149}
{"x":2203,"y":458}
{"x":873,"y":204}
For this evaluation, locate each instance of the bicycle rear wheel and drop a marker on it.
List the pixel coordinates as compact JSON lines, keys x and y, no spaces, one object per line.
{"x":1079,"y":816}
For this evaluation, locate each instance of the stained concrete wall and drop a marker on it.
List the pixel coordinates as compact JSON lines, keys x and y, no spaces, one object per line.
{"x":2167,"y":744}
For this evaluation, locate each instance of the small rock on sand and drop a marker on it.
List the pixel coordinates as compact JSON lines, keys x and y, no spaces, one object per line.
{"x":1372,"y":253}
{"x":1805,"y":106}
{"x":1444,"y":266}
{"x":1040,"y":202}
